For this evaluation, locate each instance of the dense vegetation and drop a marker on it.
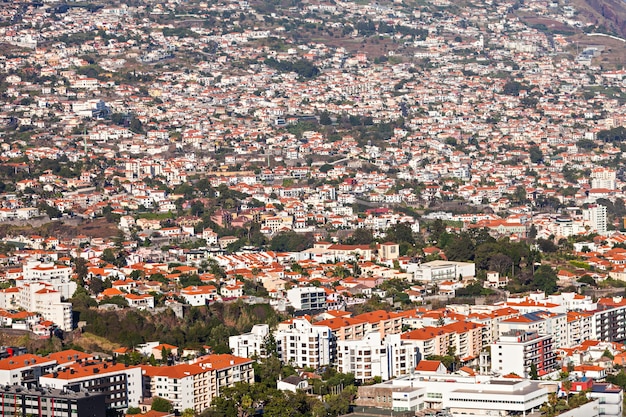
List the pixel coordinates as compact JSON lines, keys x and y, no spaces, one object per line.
{"x":336,"y":392}
{"x":210,"y":325}
{"x":304,"y":68}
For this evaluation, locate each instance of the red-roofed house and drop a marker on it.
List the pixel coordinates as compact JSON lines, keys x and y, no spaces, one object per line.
{"x":430,"y":367}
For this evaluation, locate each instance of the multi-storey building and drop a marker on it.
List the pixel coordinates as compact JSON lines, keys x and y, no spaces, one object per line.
{"x":24,"y":369}
{"x":47,"y":402}
{"x":304,"y":344}
{"x":579,"y":328}
{"x":374,"y":356}
{"x":228,"y":370}
{"x":346,"y":328}
{"x":383,"y":322}
{"x":250,"y":344}
{"x":460,"y":395}
{"x":307,"y":298}
{"x":517,"y":351}
{"x":611,"y":398}
{"x":122,"y":384}
{"x":595,"y":217}
{"x":464,"y":339}
{"x":181,"y":385}
{"x":42,"y":298}
{"x":542,"y":322}
{"x":609,"y":320}
{"x":349,"y":328}
{"x":193,"y":386}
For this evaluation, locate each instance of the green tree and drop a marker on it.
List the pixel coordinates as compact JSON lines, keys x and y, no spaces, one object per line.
{"x":361,"y":236}
{"x":535,"y":154}
{"x":512,"y":88}
{"x":136,"y":126}
{"x":325,"y":119}
{"x":162,"y":405}
{"x":291,"y":242}
{"x":545,"y":279}
{"x":533,"y":371}
{"x":81,"y":269}
{"x":460,"y":249}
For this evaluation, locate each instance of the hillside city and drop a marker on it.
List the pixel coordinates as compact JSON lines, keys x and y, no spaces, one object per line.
{"x":313,"y":208}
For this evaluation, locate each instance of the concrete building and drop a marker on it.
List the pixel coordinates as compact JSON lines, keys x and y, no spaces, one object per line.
{"x":229,"y":370}
{"x":121,"y":384}
{"x":611,"y":398}
{"x":516,"y":351}
{"x":373,"y":356}
{"x":24,"y":369}
{"x":542,"y":322}
{"x":609,"y":321}
{"x":437,"y":271}
{"x":307,"y":298}
{"x":595,"y":217}
{"x":44,"y":299}
{"x":304,"y":344}
{"x":458,"y":394}
{"x":47,"y":402}
{"x":179,"y":384}
{"x":250,"y":344}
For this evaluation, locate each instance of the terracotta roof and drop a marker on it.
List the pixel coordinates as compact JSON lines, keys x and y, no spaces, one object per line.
{"x":428,"y":366}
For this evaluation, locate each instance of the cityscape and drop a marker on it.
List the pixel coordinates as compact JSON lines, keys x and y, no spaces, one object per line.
{"x":313,"y":208}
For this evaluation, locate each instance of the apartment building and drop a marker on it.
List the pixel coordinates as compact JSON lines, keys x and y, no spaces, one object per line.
{"x":579,"y":328}
{"x":193,"y":386}
{"x":228,"y":370}
{"x":542,"y":322}
{"x":179,"y":384}
{"x":382,"y":321}
{"x":464,"y":339}
{"x":346,"y":328}
{"x":250,"y":344}
{"x":121,"y":384}
{"x":44,"y":299}
{"x":610,"y":397}
{"x":304,"y":344}
{"x":307,"y":298}
{"x":48,"y":402}
{"x":595,"y":217}
{"x":516,"y":351}
{"x":23,"y":369}
{"x":373,"y":356}
{"x":609,"y":322}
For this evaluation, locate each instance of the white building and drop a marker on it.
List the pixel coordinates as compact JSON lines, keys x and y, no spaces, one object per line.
{"x":542,"y":322}
{"x":40,"y":271}
{"x":11,"y":369}
{"x":436,"y":271}
{"x":176,"y":384}
{"x":517,"y":351}
{"x":595,"y":218}
{"x":250,"y":344}
{"x":373,"y":356}
{"x":199,"y":295}
{"x":304,"y":344}
{"x":121,"y":384}
{"x":59,"y":276}
{"x":307,"y":298}
{"x":603,"y":178}
{"x":611,"y":398}
{"x":42,"y":298}
{"x":480,"y":396}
